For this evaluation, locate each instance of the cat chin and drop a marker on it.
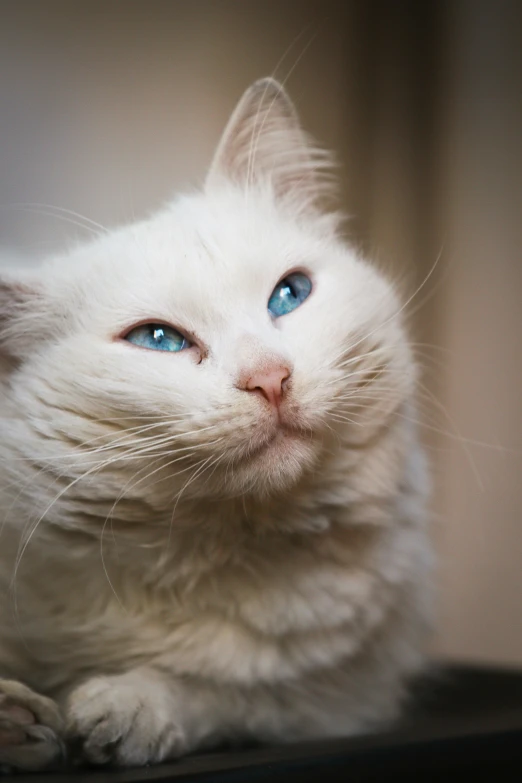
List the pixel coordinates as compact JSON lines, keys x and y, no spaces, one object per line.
{"x":274,"y":467}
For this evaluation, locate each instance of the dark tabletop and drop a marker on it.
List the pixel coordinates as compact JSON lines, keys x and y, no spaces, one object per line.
{"x":462,"y":722}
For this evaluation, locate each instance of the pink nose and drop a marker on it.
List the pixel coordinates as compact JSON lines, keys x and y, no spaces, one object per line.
{"x":270,"y":383}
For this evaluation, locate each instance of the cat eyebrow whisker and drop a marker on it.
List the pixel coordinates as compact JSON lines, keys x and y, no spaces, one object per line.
{"x":59,"y":213}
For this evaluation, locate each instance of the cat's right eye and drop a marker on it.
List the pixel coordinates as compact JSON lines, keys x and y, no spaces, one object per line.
{"x":157,"y":337}
{"x":289,"y":293}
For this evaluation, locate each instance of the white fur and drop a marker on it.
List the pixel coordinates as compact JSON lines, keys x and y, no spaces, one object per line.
{"x":175,"y":569}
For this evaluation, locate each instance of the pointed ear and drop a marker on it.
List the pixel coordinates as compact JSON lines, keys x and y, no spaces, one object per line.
{"x":22,"y":316}
{"x":264,"y":143}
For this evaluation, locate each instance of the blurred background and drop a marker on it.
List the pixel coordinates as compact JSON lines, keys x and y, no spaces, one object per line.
{"x":106,"y":108}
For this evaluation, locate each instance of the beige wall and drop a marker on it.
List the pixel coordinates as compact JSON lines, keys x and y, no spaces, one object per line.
{"x":481,"y":319}
{"x":107,"y":107}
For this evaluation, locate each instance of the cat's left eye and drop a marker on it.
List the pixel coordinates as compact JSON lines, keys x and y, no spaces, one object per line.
{"x":289,"y":293}
{"x":157,"y":337}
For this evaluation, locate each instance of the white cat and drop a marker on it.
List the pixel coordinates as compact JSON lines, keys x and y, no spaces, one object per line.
{"x":212,"y":515}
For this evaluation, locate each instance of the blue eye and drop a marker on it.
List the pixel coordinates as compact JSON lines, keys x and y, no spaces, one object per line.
{"x":157,"y":337}
{"x":289,"y":294}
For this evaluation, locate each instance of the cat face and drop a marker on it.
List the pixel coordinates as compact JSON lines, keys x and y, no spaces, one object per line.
{"x":228,"y":345}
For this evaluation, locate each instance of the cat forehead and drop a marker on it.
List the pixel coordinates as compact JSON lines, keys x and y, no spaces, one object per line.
{"x":200,"y":259}
{"x":199,"y":244}
{"x":228,"y":229}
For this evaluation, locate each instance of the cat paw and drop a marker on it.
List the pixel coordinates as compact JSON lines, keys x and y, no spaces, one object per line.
{"x":123,"y":721}
{"x":30,"y":729}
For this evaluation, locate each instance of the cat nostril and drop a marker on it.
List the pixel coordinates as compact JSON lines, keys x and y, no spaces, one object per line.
{"x":270,"y":383}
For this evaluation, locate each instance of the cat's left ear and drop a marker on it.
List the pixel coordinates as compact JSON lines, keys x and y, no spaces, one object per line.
{"x":24,"y":316}
{"x":264,"y":143}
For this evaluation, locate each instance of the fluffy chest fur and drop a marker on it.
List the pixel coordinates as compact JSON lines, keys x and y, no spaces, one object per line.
{"x":232,"y":598}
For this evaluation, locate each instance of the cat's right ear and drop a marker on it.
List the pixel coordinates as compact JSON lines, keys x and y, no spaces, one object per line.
{"x":265,"y":145}
{"x":22,"y":316}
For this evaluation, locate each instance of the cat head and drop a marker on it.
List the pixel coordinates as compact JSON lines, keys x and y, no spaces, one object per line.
{"x":228,"y":345}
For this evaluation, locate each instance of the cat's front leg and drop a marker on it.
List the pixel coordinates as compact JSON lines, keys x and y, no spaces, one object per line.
{"x":126,"y":720}
{"x":30,"y":729}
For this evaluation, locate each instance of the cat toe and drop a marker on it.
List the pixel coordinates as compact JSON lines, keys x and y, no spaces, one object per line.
{"x":29,"y":748}
{"x":32,"y":707}
{"x":30,"y":727}
{"x":113,"y":724}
